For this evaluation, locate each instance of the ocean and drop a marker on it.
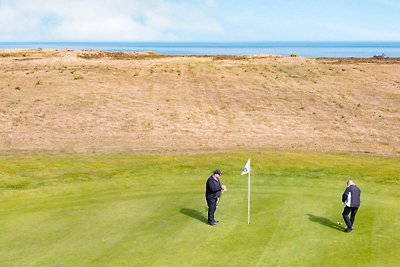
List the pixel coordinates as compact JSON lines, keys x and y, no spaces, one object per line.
{"x":303,"y":49}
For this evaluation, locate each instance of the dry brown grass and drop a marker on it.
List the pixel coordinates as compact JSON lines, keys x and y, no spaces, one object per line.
{"x":75,"y":101}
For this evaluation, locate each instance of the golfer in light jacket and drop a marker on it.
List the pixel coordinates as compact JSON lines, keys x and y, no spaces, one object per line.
{"x":351,"y":200}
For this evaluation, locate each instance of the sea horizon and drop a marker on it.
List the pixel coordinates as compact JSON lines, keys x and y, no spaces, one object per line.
{"x":314,"y":49}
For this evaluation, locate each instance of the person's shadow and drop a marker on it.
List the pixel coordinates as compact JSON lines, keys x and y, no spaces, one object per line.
{"x":194,"y":214}
{"x":324,"y":221}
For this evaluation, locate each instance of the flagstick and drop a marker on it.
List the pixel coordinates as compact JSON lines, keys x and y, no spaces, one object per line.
{"x":247,"y":170}
{"x":248,"y":200}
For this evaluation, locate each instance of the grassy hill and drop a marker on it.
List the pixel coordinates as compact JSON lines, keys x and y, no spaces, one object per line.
{"x":75,"y":101}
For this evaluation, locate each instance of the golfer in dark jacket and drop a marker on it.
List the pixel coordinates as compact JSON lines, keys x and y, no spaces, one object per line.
{"x":213,"y":192}
{"x":351,"y":200}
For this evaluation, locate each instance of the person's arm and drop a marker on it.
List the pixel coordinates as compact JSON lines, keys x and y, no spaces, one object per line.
{"x":214,"y":185}
{"x":345,"y":194}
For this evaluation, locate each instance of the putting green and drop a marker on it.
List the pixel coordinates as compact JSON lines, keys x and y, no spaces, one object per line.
{"x":144,"y":210}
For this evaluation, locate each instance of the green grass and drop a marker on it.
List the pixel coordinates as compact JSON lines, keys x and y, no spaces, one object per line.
{"x":144,"y":210}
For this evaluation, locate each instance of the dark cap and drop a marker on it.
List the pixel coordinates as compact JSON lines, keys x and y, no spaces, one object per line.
{"x":218,"y":172}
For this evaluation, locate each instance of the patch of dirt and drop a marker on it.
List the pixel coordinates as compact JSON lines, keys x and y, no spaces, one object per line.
{"x":90,"y":54}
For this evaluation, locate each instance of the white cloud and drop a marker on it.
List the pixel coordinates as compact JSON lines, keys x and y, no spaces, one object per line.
{"x":197,"y":20}
{"x":103,"y":20}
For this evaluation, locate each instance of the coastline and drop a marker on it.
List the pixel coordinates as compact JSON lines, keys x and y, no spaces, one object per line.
{"x":96,"y":54}
{"x":302,"y":49}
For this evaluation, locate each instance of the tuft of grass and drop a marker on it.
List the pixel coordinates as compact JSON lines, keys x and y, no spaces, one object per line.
{"x":38,"y":83}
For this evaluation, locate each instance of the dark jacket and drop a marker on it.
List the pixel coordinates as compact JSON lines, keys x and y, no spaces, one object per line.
{"x":213,"y":187}
{"x":351,"y":196}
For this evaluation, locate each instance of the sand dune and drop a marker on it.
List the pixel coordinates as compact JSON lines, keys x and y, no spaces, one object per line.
{"x":82,"y":101}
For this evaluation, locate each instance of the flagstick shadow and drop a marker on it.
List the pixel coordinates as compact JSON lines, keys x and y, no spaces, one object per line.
{"x":194,"y":214}
{"x":324,"y":221}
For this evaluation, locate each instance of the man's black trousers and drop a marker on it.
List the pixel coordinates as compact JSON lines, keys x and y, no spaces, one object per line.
{"x":212,"y":206}
{"x":346,"y":211}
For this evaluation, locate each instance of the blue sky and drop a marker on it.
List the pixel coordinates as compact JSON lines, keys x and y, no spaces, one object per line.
{"x":200,"y":20}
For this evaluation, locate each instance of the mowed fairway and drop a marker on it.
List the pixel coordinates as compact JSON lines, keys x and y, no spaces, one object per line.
{"x":148,"y":210}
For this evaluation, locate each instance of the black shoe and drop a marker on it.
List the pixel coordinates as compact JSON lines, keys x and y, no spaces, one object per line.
{"x":212,"y":224}
{"x":348,"y":230}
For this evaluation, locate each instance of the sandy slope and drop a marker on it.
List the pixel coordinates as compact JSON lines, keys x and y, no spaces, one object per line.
{"x":86,"y":101}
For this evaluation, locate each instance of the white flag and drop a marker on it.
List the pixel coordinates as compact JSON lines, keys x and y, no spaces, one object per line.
{"x":246,"y":168}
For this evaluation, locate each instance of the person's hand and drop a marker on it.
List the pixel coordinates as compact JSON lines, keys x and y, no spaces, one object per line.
{"x":223,"y":187}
